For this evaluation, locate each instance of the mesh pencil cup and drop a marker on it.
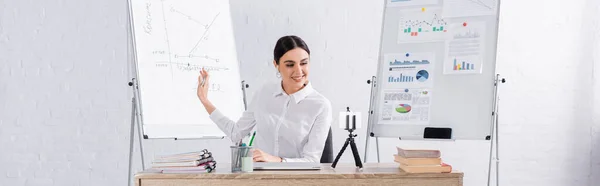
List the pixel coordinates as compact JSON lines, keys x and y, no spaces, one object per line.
{"x":241,"y":159}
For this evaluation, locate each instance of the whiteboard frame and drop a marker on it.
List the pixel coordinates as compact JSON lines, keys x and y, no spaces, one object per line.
{"x":377,"y":89}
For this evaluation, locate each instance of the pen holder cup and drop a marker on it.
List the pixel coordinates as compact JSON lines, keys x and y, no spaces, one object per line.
{"x":241,"y":159}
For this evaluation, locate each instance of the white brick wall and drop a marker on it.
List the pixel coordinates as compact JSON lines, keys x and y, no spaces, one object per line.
{"x":65,"y":106}
{"x":64,"y":97}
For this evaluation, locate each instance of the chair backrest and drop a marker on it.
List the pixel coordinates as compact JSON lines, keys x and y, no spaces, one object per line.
{"x":327,"y":156}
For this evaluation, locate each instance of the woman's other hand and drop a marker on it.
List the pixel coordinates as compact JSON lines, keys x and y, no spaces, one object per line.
{"x":261,"y":156}
{"x":203,"y":82}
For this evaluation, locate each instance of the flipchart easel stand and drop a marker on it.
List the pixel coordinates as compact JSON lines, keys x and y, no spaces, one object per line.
{"x":136,"y":111}
{"x":493,"y":137}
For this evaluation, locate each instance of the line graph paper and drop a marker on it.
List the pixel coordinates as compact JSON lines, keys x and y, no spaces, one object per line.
{"x":174,"y":40}
{"x":421,"y":26}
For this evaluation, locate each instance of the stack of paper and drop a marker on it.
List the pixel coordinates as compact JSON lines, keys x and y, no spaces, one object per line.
{"x":421,"y":161}
{"x":191,"y":161}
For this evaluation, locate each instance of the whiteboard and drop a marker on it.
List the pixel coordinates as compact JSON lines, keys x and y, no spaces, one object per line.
{"x":174,"y":40}
{"x":436,"y":69}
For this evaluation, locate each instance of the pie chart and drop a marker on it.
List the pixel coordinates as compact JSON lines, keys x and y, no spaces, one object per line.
{"x":403,"y":108}
{"x":422,"y":75}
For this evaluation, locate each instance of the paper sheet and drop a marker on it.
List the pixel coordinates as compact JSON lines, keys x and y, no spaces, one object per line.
{"x":421,"y":25}
{"x":466,"y":8}
{"x":405,"y":106}
{"x":464,"y":48}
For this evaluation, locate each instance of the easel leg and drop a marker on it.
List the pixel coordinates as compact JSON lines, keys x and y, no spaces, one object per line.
{"x":131,"y":139}
{"x":497,"y":147}
{"x":377,"y":146}
{"x":494,"y":133}
{"x":140,"y":141}
{"x":367,"y":148}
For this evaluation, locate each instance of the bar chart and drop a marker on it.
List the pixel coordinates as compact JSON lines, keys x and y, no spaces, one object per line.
{"x":400,"y":79}
{"x":463,"y":65}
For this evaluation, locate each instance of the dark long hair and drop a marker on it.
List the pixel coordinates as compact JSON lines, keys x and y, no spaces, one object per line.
{"x":287,"y":43}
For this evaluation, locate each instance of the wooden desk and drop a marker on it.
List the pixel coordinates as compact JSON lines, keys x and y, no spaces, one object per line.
{"x":344,"y":174}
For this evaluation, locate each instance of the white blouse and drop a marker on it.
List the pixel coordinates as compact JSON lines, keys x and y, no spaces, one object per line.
{"x":293,"y":127}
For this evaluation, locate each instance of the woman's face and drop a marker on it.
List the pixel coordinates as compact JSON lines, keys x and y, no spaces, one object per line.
{"x":293,"y":66}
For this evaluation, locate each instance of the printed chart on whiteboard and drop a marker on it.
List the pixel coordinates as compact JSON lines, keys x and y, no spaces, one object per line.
{"x":465,"y":48}
{"x":407,"y":93}
{"x":409,"y":70}
{"x":421,"y":25}
{"x":407,"y":106}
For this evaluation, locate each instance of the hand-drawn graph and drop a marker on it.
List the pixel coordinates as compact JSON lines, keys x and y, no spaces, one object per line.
{"x":174,"y":41}
{"x":191,"y":59}
{"x":421,"y":26}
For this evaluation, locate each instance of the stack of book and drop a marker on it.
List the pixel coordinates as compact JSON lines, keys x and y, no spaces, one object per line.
{"x":421,"y":161}
{"x":191,"y":161}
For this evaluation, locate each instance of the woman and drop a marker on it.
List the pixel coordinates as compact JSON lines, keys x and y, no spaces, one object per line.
{"x":292,"y":119}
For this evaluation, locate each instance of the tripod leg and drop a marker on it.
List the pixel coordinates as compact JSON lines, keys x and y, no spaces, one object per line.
{"x":337,"y":158}
{"x":355,"y":153}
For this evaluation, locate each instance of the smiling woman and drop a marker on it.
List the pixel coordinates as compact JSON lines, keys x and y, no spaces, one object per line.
{"x":292,"y":119}
{"x":293,"y":53}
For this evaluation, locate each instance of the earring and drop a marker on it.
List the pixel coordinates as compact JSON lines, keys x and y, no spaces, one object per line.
{"x":278,"y":74}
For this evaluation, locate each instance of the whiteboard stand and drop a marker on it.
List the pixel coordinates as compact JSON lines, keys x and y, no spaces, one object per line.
{"x":135,"y":115}
{"x":494,"y":136}
{"x":134,"y":118}
{"x":373,"y":83}
{"x":136,"y":103}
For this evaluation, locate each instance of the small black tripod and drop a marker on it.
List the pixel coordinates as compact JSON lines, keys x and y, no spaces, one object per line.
{"x":349,"y":140}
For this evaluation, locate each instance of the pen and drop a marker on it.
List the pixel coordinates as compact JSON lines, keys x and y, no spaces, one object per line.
{"x":252,"y":139}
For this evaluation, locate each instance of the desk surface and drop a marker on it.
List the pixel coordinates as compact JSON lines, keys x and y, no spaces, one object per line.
{"x":370,"y":171}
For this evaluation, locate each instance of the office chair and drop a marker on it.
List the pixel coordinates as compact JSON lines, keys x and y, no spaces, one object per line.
{"x":327,"y":156}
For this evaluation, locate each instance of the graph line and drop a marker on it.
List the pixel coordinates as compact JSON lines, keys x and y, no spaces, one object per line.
{"x":204,"y":34}
{"x":181,"y":65}
{"x":188,"y":16}
{"x":167,"y":34}
{"x":435,"y":20}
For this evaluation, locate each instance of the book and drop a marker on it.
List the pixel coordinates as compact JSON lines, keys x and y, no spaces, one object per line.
{"x":206,"y":167}
{"x":440,"y":168}
{"x":190,"y":155}
{"x":417,"y":161}
{"x":203,"y":160}
{"x":176,"y":164}
{"x":185,"y":162}
{"x":418,"y":153}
